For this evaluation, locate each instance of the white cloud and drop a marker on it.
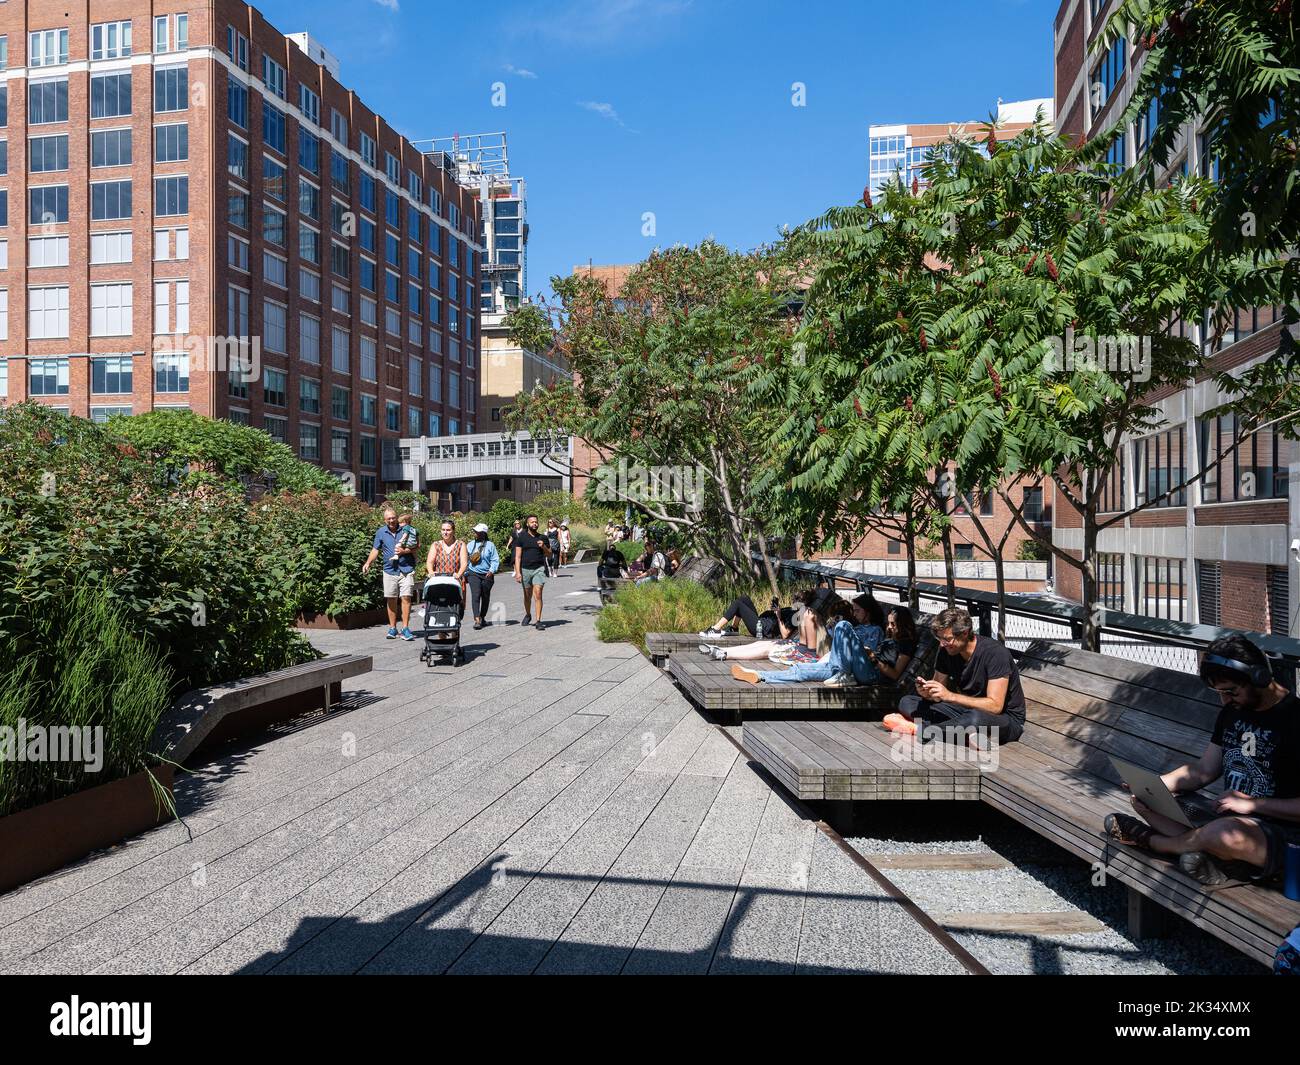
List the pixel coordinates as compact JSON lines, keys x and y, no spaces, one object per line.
{"x":392,"y":5}
{"x":602,"y":109}
{"x":519,"y":72}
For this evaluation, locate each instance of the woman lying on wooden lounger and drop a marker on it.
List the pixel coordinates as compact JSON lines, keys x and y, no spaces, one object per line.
{"x":805,"y":640}
{"x":861,"y":651}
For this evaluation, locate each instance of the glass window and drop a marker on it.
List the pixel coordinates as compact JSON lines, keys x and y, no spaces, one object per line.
{"x":110,"y":40}
{"x":110,"y":95}
{"x":308,"y":151}
{"x":47,"y":377}
{"x":1159,"y":470}
{"x":47,"y":48}
{"x":110,"y":147}
{"x":110,"y":310}
{"x":1257,"y":468}
{"x":273,"y":127}
{"x":1161,"y":590}
{"x":171,"y":89}
{"x":171,"y":195}
{"x":47,"y":154}
{"x":171,"y":372}
{"x":47,"y":101}
{"x":172,"y":143}
{"x":48,"y":204}
{"x":237,"y":104}
{"x":110,"y":200}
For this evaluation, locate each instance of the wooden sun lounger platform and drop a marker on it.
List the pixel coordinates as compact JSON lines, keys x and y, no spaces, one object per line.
{"x":711,"y":686}
{"x":659,"y":645}
{"x":859,"y":761}
{"x":1057,"y":780}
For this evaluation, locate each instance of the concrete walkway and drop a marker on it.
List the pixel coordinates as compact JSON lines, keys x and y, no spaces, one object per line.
{"x":554,"y":805}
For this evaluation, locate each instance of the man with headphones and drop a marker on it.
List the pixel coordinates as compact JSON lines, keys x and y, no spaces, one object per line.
{"x":1256,"y":749}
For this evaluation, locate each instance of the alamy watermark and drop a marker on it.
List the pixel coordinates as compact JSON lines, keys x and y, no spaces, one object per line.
{"x":1120,"y":354}
{"x":652,"y":484}
{"x":950,"y":743}
{"x":53,"y":743}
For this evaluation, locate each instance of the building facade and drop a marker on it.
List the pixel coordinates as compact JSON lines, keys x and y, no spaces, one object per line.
{"x":1222,"y":551}
{"x":904,"y":149}
{"x":197,"y":213}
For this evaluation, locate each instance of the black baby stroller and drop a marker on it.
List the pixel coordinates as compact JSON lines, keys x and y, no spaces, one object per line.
{"x":442,"y":614}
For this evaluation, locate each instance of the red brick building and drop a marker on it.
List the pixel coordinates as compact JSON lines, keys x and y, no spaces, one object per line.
{"x":1219,"y":552}
{"x":187,"y":183}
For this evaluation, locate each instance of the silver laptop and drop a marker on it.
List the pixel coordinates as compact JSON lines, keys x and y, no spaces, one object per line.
{"x":1147,"y":786}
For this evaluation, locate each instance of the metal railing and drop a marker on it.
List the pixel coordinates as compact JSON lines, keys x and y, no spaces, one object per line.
{"x":1151,"y":641}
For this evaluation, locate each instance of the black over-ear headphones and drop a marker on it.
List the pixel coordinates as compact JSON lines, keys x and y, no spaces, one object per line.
{"x":1259,"y":676}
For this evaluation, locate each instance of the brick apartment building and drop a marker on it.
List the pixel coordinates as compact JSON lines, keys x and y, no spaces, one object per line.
{"x":1220,"y":551}
{"x":184,"y":173}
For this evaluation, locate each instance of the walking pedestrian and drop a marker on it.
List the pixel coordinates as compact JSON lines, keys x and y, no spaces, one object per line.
{"x":564,"y":544}
{"x":448,"y":558}
{"x":531,"y":549}
{"x":484,"y":561}
{"x":394,"y":542}
{"x":553,"y":542}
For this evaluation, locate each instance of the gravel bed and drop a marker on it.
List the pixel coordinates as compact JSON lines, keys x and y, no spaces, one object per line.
{"x":1042,"y":877}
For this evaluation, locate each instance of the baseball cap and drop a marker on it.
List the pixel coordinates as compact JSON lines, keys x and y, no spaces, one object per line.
{"x":480,"y":527}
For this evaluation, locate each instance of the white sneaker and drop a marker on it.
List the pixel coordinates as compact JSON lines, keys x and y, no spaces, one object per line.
{"x":841,"y":680}
{"x":719,"y":654}
{"x":710,"y":634}
{"x":706,"y":649}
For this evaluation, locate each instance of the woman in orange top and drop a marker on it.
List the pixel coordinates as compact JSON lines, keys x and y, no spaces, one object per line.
{"x":448,"y":558}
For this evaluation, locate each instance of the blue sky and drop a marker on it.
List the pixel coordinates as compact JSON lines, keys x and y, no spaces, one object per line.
{"x":682,"y":108}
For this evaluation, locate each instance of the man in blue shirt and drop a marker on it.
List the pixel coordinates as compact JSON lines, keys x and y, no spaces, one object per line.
{"x":484,"y":561}
{"x":395,"y":543}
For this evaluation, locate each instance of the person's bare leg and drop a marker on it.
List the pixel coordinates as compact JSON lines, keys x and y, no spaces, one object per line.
{"x":537,"y":595}
{"x":751,"y":652}
{"x":406,"y":611}
{"x":1229,"y":838}
{"x":528,"y":600}
{"x":392,"y":612}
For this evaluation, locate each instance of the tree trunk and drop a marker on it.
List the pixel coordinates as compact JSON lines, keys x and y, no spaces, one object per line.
{"x":946,"y":537}
{"x":1002,"y":595}
{"x":1091,"y":615}
{"x":913,"y":596}
{"x":767,"y":561}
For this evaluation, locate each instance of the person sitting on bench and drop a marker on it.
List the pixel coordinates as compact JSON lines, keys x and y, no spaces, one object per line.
{"x":802,"y":637}
{"x":777,"y":622}
{"x":899,"y":645}
{"x":847,"y":663}
{"x":1255,"y":746}
{"x":988,"y":694}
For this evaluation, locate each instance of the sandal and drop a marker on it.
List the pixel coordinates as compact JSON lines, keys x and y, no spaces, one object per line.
{"x":1123,"y":828}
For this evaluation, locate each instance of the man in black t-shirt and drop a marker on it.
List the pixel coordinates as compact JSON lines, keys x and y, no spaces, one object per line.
{"x":531,"y":552}
{"x":976,"y":685}
{"x":1255,"y":748}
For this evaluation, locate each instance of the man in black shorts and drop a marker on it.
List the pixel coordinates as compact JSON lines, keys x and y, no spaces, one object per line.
{"x":1256,"y":749}
{"x":976,"y":685}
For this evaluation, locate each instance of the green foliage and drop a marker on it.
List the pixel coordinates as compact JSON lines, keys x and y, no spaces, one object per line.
{"x":1032,"y":551}
{"x":77,"y":662}
{"x":206,"y":449}
{"x":322,"y":540}
{"x":683,"y":367}
{"x":1233,"y":65}
{"x":658,"y":606}
{"x":188,"y":566}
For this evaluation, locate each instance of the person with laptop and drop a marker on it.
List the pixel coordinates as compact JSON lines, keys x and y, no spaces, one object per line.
{"x":1255,"y":748}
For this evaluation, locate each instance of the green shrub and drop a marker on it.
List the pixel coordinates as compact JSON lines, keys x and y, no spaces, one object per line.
{"x":191,"y":566}
{"x":658,"y":606}
{"x":204,"y":447}
{"x":76,"y":662}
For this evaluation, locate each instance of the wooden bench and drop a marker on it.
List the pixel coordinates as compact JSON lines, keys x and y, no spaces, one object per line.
{"x":711,"y":686}
{"x":1058,"y":779}
{"x":858,"y":761}
{"x":208,"y":715}
{"x":659,"y":645}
